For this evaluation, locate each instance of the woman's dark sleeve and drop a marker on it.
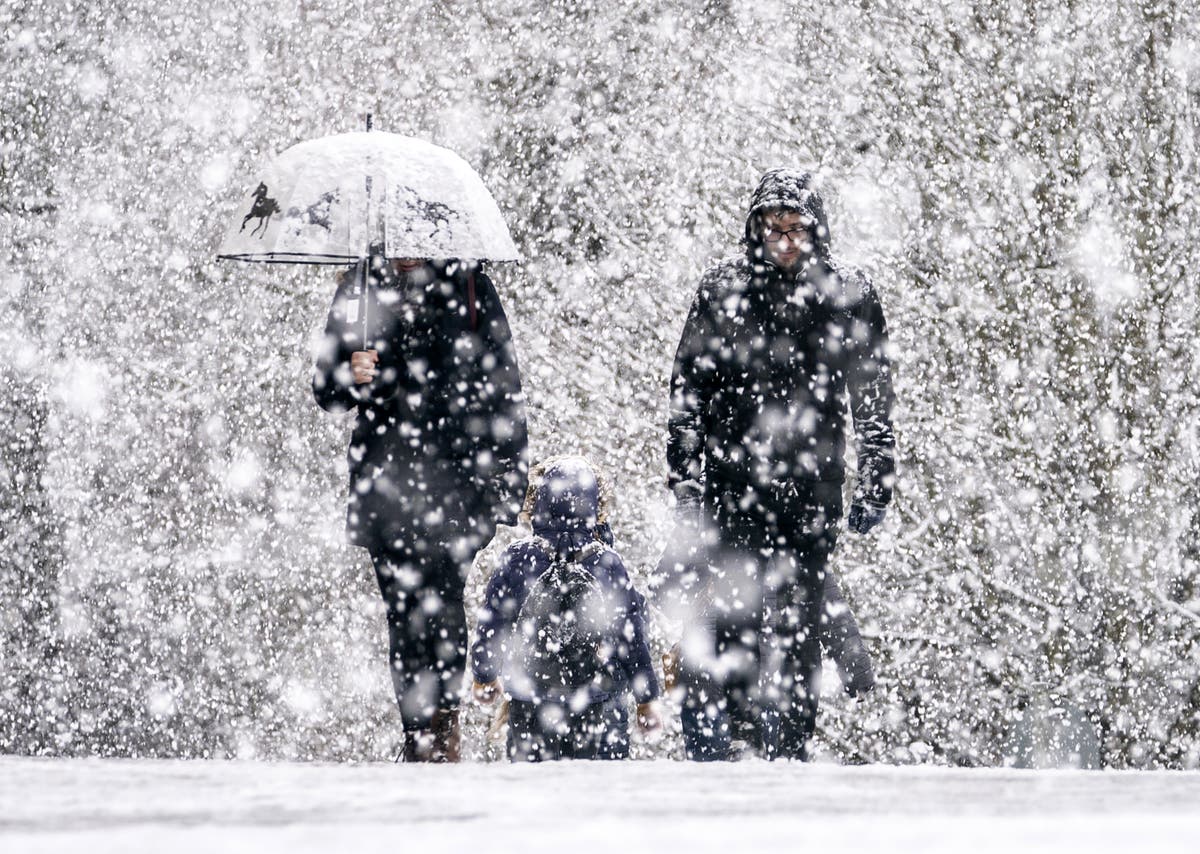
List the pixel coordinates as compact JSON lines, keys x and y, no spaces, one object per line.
{"x":502,"y":446}
{"x":692,"y":383}
{"x":633,"y":651}
{"x":871,"y":401}
{"x":333,"y":381}
{"x":401,"y":340}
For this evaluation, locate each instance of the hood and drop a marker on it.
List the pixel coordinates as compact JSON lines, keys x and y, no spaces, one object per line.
{"x":794,"y":190}
{"x":566,"y":504}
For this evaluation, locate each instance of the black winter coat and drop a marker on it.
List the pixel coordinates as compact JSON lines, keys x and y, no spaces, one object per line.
{"x":439,"y":445}
{"x":767,"y":364}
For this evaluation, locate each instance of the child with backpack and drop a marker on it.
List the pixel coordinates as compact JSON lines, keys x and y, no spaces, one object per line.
{"x":562,"y":630}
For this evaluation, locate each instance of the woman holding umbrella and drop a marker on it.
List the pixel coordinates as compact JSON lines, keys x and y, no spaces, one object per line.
{"x":437,"y":460}
{"x":420,"y":349}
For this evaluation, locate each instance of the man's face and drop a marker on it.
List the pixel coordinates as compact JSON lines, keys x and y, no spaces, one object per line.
{"x":787,"y":238}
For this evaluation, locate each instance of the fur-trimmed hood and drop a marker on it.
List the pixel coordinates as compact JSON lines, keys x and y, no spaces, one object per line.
{"x":567,"y":502}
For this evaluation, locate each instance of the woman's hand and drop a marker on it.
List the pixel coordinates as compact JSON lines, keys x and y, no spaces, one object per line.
{"x":362,"y":363}
{"x":485,"y":693}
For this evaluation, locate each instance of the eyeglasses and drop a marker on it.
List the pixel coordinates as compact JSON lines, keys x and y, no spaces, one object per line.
{"x":774,"y":235}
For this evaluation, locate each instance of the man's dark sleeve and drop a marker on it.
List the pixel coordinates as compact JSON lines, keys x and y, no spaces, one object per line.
{"x":871,"y":401}
{"x":842,"y":641}
{"x":692,"y":385}
{"x":504,"y":468}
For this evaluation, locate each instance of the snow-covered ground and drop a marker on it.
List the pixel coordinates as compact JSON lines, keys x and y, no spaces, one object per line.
{"x":176,"y":806}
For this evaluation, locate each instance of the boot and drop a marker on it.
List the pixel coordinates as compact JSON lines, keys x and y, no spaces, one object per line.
{"x":447,"y":736}
{"x":417,"y":746}
{"x":439,"y":743}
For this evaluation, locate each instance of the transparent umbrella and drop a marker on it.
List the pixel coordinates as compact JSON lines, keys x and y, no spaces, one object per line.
{"x":346,"y":198}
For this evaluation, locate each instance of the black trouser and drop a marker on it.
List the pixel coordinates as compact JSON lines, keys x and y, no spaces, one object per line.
{"x":753,"y":657}
{"x":542,"y":731}
{"x":422,"y":587}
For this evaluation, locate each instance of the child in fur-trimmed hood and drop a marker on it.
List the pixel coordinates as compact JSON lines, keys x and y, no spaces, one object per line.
{"x":570,"y":549}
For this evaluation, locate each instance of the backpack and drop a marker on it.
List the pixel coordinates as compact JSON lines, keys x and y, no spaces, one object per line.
{"x":565,"y":624}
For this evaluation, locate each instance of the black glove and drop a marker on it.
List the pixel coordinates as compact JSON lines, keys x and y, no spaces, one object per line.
{"x":865,"y":515}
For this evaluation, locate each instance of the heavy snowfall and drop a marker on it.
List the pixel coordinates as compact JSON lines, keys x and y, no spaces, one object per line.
{"x":1019,"y":179}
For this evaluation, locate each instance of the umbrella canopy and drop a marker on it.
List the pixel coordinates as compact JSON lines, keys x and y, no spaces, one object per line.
{"x":337,"y":199}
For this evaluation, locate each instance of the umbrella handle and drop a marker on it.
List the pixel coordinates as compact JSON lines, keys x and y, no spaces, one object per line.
{"x":363,"y":283}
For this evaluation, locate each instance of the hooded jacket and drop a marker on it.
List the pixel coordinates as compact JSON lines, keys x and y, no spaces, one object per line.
{"x":566,"y":507}
{"x":771,"y":362}
{"x":439,"y":443}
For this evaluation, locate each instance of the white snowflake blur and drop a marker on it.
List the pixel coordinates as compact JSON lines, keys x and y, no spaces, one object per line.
{"x":1019,"y":179}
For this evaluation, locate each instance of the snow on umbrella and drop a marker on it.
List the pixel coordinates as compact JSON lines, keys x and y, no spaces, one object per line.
{"x":339,"y":199}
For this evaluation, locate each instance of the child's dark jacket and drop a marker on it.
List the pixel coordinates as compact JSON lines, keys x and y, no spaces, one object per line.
{"x":564,"y":522}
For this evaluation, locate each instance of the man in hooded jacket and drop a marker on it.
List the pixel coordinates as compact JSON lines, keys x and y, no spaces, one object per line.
{"x":779,"y":344}
{"x":437,"y":460}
